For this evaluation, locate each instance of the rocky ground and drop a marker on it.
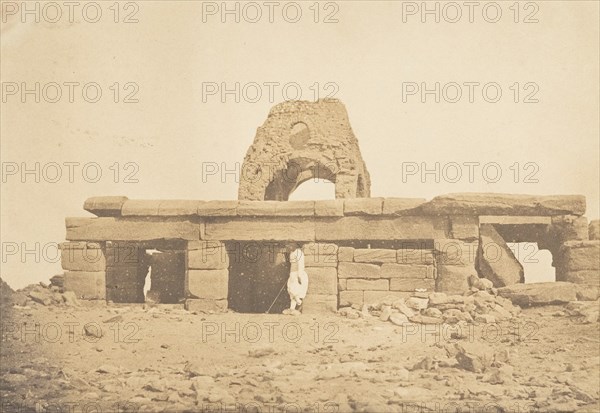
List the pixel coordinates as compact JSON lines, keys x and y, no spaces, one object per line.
{"x":425,"y":354}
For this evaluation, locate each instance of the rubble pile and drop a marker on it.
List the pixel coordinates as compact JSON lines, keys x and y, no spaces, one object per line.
{"x":42,"y":294}
{"x":482,"y":304}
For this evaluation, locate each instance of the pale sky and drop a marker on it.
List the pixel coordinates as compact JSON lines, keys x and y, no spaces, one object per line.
{"x":170,"y":55}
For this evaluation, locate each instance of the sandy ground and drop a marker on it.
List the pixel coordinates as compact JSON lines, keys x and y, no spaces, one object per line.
{"x":163,"y":358}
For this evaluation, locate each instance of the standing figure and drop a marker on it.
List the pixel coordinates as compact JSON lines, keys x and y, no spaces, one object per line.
{"x":297,"y":284}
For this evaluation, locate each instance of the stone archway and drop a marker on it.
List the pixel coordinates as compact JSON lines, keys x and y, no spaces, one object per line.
{"x":300,"y":141}
{"x":298,"y":171}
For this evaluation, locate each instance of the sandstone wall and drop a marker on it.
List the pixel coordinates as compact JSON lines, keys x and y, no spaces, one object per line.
{"x":335,"y":235}
{"x":579,"y":262}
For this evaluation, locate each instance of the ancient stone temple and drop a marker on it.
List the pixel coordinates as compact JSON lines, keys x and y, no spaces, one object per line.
{"x":234,"y":254}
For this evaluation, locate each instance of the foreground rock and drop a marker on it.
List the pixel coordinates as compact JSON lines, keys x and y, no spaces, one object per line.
{"x":480,"y":306}
{"x":526,"y":295}
{"x":587,"y":312}
{"x":6,"y":293}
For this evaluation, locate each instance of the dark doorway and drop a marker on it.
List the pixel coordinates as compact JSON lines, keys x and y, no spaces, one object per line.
{"x":151,"y":271}
{"x":258,"y":273}
{"x":167,"y":277}
{"x":126,"y":269}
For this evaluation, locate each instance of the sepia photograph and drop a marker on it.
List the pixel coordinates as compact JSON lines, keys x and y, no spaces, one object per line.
{"x":310,"y":206}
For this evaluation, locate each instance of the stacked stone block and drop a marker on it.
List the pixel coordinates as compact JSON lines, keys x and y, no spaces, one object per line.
{"x":85,"y":269}
{"x":367,"y":275}
{"x":455,"y":255}
{"x":579,"y":262}
{"x":320,"y":263}
{"x":124,"y":228}
{"x":207,"y":276}
{"x":576,"y":251}
{"x":455,"y":263}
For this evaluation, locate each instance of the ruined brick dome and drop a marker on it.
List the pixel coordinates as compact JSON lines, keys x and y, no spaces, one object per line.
{"x":302,"y":140}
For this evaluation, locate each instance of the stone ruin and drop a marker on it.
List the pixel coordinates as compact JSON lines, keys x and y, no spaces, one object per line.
{"x":302,"y":141}
{"x":219,"y":255}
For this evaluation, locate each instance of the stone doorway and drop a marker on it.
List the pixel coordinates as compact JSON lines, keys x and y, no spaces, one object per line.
{"x":257,"y":273}
{"x":129,"y":268}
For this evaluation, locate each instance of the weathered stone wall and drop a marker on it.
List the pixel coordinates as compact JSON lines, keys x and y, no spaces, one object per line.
{"x":366,"y":275}
{"x":320,"y":263}
{"x":579,"y":262}
{"x":85,"y":269}
{"x":207,"y":276}
{"x":455,"y":261}
{"x":457,"y":228}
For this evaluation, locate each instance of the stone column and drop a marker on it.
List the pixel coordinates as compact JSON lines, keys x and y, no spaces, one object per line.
{"x":579,"y":262}
{"x":455,"y":257}
{"x":207,"y":276}
{"x":563,"y":228}
{"x":320,"y":262}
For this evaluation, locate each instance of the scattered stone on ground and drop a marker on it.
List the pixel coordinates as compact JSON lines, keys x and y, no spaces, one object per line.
{"x":544,"y":358}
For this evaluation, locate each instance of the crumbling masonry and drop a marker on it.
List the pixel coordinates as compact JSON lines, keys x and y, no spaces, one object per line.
{"x":232,"y":254}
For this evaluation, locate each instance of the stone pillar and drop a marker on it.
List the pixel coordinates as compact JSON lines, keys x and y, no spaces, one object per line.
{"x":85,"y":269}
{"x":562,"y":229}
{"x":455,"y":263}
{"x":455,"y":257}
{"x":207,"y":276}
{"x":569,"y":227}
{"x":320,"y":263}
{"x":579,"y":262}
